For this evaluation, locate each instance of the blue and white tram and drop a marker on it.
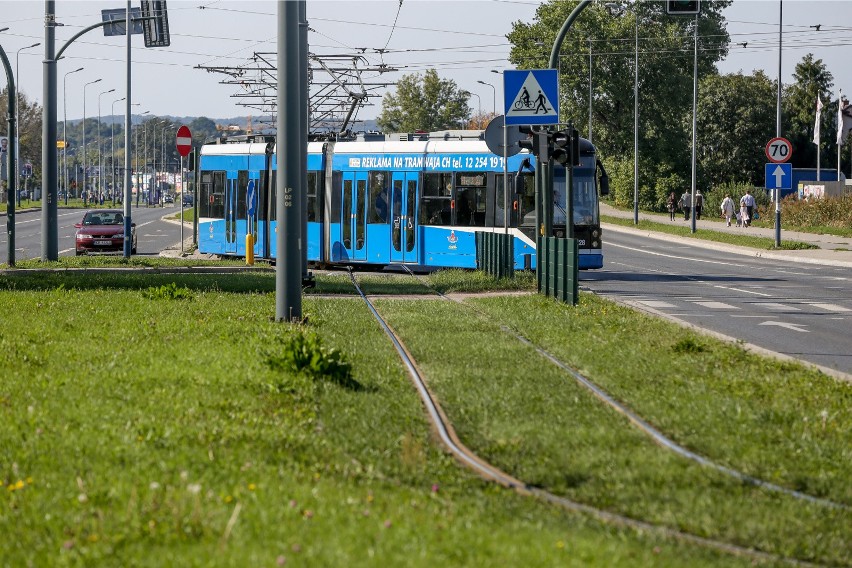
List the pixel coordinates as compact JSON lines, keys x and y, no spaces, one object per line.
{"x":383,"y":201}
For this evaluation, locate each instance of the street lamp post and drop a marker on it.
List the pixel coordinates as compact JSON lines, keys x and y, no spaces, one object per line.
{"x":18,"y":119}
{"x":112,"y":145}
{"x":65,"y":130}
{"x":163,"y":150}
{"x":85,"y":148}
{"x":636,"y":117}
{"x":100,"y":162}
{"x":136,"y":156}
{"x":479,"y":105}
{"x":494,"y":96}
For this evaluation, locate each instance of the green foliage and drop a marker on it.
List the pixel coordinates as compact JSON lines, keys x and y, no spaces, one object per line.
{"x":829,"y":214}
{"x":168,"y":291}
{"x":305,"y":353}
{"x":734,"y":124}
{"x":424,"y":102}
{"x":29,"y":130}
{"x":688,"y":345}
{"x":810,"y":78}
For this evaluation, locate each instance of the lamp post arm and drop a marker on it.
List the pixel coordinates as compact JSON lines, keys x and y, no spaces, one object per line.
{"x":560,"y":37}
{"x":93,"y":27}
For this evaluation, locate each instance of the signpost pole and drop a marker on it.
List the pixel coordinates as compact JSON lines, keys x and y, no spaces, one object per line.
{"x":182,"y":193}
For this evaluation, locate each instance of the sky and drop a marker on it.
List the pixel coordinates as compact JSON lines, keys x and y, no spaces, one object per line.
{"x":462,"y":40}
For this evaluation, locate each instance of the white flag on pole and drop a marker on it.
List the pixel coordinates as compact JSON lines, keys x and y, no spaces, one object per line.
{"x":818,"y":117}
{"x":844,"y":119}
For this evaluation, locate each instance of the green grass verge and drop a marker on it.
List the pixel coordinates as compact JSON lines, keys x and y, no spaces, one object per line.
{"x":147,"y":424}
{"x":709,"y":235}
{"x":776,"y":421}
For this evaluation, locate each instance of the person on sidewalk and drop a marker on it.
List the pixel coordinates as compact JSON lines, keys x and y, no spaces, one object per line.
{"x":671,"y":203}
{"x":686,"y":204}
{"x":747,"y":200}
{"x":743,"y":217}
{"x":728,"y":208}
{"x":699,"y":204}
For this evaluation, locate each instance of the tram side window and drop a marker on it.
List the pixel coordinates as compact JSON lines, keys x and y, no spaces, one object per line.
{"x":436,"y":199}
{"x":378,"y":206}
{"x":212,"y":195}
{"x":314,"y":203}
{"x":262,"y":197}
{"x":273,"y":198}
{"x":526,"y":200}
{"x":337,"y":184}
{"x":242,"y":193}
{"x":471,"y":194}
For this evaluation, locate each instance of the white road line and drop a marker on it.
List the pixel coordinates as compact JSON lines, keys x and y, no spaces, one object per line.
{"x":741,"y":290}
{"x":830,"y":307}
{"x":717,"y":305}
{"x":676,"y":257}
{"x":776,"y":306}
{"x":655,"y":304}
{"x":793,"y":326}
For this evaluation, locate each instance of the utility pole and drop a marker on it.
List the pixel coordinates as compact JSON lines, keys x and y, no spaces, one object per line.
{"x":50,"y":173}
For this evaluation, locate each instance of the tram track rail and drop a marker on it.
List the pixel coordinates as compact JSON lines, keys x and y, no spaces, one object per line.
{"x":482,"y":467}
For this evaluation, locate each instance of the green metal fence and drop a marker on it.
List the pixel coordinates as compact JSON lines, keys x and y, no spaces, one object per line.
{"x":557,"y":269}
{"x":495,"y":254}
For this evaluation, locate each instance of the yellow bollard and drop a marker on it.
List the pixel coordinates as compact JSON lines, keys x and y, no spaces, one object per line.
{"x":250,"y":249}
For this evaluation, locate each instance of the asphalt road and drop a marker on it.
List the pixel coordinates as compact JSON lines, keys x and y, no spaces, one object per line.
{"x":801,"y":310}
{"x":152,"y":233}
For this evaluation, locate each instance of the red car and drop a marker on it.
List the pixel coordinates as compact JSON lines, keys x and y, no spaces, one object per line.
{"x":102,"y":230}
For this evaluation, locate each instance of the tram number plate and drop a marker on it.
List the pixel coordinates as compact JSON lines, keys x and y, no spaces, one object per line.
{"x":581,"y":242}
{"x":102,"y":243}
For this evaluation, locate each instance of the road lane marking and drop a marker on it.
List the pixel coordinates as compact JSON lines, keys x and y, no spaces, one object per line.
{"x":830,"y":307}
{"x":676,"y":257}
{"x":655,"y":304}
{"x":741,"y":290}
{"x":776,"y":306}
{"x":793,"y":326}
{"x":717,"y":305}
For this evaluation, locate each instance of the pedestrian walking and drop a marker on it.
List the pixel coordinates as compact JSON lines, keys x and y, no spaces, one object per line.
{"x":671,"y":203}
{"x":728,"y":209}
{"x":748,"y":202}
{"x":699,"y":204}
{"x":744,"y":216}
{"x":686,"y":204}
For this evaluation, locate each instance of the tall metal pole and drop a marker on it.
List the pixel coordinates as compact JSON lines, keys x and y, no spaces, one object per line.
{"x":163,"y":162}
{"x":778,"y":123}
{"x":694,"y":118}
{"x":12,"y":159}
{"x":303,"y":134}
{"x":636,"y":115}
{"x":100,"y":154}
{"x":288,"y":290}
{"x":136,"y":157}
{"x":17,"y":138}
{"x":49,"y":218}
{"x":590,"y":89}
{"x":85,"y":148}
{"x":65,"y":130}
{"x":128,"y":238}
{"x":112,"y":145}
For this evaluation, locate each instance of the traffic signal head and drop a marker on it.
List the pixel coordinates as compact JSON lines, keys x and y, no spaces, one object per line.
{"x":683,"y":7}
{"x":536,"y":142}
{"x":561,"y":146}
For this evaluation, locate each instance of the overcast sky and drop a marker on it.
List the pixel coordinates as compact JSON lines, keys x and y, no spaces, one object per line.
{"x":463,"y":40}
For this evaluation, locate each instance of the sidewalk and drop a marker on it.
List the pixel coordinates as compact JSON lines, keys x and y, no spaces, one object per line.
{"x":832,"y":251}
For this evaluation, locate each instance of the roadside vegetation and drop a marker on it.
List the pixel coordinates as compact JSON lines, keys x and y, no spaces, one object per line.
{"x":167,"y":412}
{"x":743,"y":239}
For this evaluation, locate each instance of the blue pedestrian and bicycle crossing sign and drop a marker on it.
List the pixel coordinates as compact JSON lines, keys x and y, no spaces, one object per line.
{"x":531,"y":96}
{"x":779,"y":176}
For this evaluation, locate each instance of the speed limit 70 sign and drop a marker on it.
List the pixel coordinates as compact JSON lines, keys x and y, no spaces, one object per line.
{"x":779,"y":150}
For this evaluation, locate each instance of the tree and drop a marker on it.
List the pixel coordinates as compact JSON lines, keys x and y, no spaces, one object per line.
{"x":735,"y":121}
{"x":665,"y":75}
{"x":202,"y":128}
{"x":810,"y":78}
{"x":29,"y":131}
{"x":424,"y":102}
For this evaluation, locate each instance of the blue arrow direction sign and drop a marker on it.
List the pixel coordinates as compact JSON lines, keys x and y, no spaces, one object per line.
{"x":531,"y":96}
{"x":251,"y":198}
{"x":779,"y":176}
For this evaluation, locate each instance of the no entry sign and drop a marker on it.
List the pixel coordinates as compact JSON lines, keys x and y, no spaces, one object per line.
{"x":184,"y":141}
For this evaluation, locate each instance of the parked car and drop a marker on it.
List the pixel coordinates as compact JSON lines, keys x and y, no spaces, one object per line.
{"x":168,"y":198}
{"x":102,"y":230}
{"x":187,"y":200}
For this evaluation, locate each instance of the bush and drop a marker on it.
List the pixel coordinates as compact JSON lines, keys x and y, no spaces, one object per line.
{"x":306,"y":354}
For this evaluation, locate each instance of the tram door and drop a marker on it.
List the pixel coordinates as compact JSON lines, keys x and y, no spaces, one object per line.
{"x":404,"y":217}
{"x":353,"y":222}
{"x":231,"y":217}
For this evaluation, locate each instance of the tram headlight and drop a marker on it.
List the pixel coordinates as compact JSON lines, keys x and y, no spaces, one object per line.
{"x":560,"y":234}
{"x":595,"y":234}
{"x":595,"y":244}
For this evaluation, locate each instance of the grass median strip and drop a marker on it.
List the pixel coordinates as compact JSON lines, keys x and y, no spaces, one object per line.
{"x":146,"y":422}
{"x":708,"y":235}
{"x":524,"y":415}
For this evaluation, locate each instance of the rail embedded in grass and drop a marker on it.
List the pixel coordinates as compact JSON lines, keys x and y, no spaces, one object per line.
{"x":710,"y":235}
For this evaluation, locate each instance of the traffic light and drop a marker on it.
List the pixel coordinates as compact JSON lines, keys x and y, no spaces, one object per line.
{"x":683,"y":7}
{"x":566,"y":146}
{"x":537,"y":142}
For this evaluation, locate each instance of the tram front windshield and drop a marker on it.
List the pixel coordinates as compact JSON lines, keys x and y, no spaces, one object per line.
{"x":585,"y":197}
